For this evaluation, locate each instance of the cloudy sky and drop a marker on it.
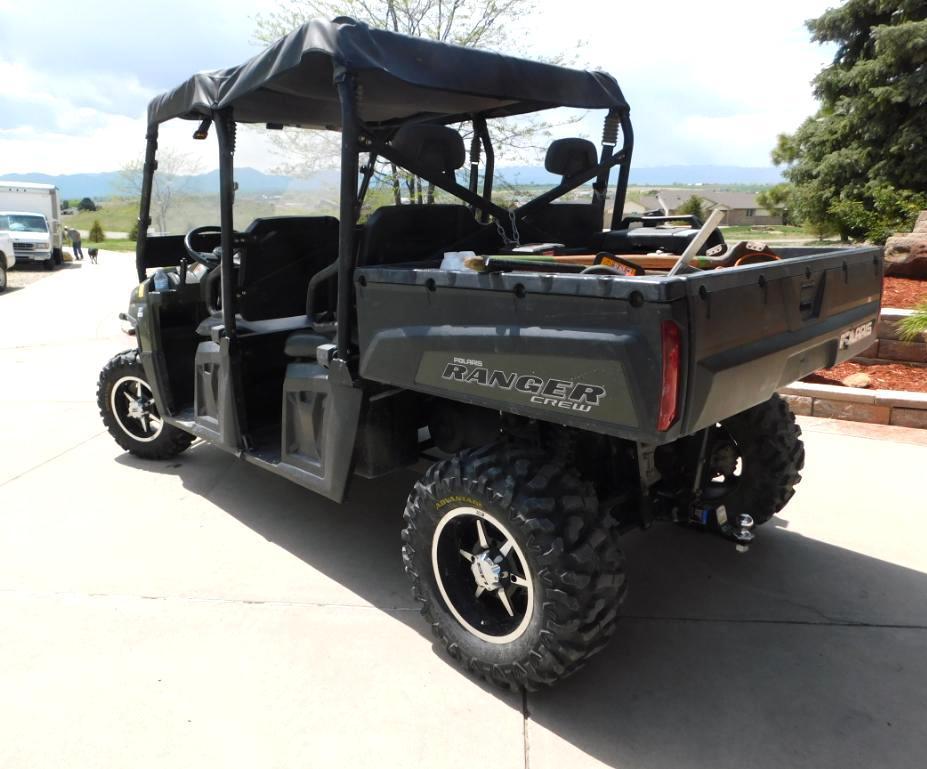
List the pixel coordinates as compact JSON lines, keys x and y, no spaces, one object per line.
{"x":708,"y":83}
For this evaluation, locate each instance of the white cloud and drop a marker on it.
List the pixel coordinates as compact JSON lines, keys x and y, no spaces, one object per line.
{"x":706,"y":85}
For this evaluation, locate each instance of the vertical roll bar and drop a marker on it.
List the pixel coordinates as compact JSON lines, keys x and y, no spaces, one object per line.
{"x":225,"y":133}
{"x":144,"y":212}
{"x":482,"y":130}
{"x":624,"y":169}
{"x":348,"y":215}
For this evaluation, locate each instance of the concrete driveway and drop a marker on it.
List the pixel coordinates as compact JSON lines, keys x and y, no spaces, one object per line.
{"x":201,"y":613}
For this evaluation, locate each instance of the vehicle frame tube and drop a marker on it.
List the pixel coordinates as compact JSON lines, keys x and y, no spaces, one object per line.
{"x":348,"y":214}
{"x":225,"y":133}
{"x":144,"y":212}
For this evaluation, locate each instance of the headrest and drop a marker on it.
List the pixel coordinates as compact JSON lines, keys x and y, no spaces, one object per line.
{"x":432,"y":147}
{"x":566,"y":157}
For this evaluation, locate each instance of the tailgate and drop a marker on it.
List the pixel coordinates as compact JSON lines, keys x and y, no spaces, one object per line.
{"x":759,"y":327}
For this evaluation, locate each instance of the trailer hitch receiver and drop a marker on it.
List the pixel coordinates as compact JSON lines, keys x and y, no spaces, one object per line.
{"x":716,"y":519}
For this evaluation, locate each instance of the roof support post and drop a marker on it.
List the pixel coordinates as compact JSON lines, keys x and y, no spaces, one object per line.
{"x":624,"y":170}
{"x":225,"y":133}
{"x":144,"y":213}
{"x":482,"y":130}
{"x":600,"y":185}
{"x":348,"y":216}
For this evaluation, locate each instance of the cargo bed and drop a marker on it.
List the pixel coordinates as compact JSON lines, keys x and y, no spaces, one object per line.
{"x":588,"y":351}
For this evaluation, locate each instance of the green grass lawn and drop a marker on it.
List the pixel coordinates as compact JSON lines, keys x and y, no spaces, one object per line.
{"x":114,"y":215}
{"x":766,"y":232}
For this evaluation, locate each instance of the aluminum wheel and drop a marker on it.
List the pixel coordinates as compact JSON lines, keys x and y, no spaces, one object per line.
{"x":132,"y":403}
{"x":725,"y":465}
{"x":482,"y":575}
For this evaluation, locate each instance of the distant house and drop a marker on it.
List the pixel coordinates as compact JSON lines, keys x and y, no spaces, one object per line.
{"x":740,"y":208}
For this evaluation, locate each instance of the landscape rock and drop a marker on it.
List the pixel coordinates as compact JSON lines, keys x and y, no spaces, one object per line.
{"x":906,"y":253}
{"x":859,"y":379}
{"x":921,"y":224}
{"x":800,"y":404}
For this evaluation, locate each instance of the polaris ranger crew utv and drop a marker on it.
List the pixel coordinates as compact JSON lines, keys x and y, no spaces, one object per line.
{"x":576,"y":384}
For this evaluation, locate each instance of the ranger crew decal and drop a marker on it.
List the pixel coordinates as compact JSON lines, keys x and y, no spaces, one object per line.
{"x":561,"y":393}
{"x":565,"y":387}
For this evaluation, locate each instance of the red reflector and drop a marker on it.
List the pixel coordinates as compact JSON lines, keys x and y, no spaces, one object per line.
{"x":669,"y":394}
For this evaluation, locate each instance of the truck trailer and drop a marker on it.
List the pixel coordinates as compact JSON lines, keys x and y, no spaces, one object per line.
{"x":34,"y":198}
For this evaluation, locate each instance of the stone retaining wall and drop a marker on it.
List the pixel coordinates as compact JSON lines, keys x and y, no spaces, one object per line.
{"x":884,"y":407}
{"x":889,"y":345}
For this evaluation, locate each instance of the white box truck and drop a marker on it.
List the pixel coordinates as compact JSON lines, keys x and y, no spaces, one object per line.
{"x":25,"y":198}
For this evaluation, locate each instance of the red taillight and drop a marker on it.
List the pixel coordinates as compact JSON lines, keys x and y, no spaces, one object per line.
{"x":669,"y":394}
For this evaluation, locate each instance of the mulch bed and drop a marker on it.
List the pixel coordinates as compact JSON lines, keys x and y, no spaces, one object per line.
{"x":884,"y":376}
{"x":903,"y":293}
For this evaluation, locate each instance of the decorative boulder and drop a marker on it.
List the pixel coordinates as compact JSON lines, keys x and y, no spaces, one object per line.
{"x":906,"y":254}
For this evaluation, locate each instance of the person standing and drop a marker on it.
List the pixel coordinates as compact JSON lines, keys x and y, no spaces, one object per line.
{"x":74,"y":237}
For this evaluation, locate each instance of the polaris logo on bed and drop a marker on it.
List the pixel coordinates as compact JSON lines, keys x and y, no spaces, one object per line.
{"x":855,"y":335}
{"x":560,"y":393}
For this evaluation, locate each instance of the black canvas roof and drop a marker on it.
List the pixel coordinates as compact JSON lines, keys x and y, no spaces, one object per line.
{"x":399,"y":77}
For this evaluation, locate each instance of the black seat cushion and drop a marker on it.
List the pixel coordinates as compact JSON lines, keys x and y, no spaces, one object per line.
{"x":286,"y":252}
{"x":566,"y":157}
{"x":303,"y":344}
{"x":435,"y":148}
{"x":410,"y":233}
{"x":256,"y":327}
{"x":573,"y":224}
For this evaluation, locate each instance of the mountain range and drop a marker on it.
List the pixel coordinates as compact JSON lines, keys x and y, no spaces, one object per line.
{"x":252,"y":181}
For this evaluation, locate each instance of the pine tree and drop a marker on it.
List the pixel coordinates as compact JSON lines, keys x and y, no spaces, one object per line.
{"x":857,"y":165}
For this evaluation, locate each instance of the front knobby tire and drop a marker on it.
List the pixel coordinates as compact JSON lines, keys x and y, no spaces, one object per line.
{"x":767,"y":442}
{"x":562,"y":575}
{"x":130,"y":414}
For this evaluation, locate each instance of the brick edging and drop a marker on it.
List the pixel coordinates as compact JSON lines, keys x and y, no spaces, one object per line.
{"x":883,"y":407}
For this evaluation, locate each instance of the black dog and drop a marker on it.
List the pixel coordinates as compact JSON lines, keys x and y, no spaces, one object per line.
{"x":93,"y":254}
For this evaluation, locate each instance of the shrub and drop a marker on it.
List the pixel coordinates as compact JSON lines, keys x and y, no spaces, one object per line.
{"x":882,"y":212}
{"x":693,"y":207}
{"x":86,"y":204}
{"x":96,"y":232}
{"x":914,"y":325}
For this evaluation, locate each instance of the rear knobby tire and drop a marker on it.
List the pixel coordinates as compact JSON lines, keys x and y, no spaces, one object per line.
{"x":772,"y":454}
{"x":569,"y":550}
{"x":140,"y":438}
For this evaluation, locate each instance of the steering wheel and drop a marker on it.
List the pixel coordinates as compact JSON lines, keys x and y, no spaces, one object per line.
{"x":208,"y":259}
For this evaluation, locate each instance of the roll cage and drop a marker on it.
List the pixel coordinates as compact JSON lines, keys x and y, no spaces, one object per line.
{"x":371,"y":72}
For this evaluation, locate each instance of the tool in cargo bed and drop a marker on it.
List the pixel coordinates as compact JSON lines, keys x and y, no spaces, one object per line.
{"x":529,"y":263}
{"x":714,"y":219}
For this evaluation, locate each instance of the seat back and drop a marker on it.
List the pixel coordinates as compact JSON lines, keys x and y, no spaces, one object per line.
{"x":410,"y":233}
{"x":572,"y":224}
{"x":286,"y":251}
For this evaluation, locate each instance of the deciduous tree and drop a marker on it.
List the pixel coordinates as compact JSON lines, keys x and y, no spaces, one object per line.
{"x":171,"y":180}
